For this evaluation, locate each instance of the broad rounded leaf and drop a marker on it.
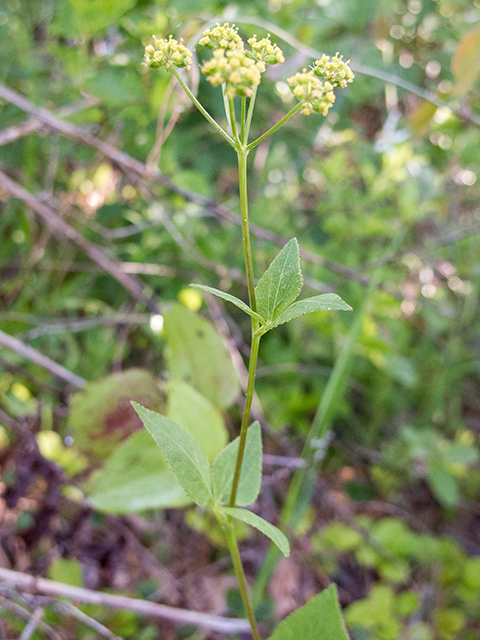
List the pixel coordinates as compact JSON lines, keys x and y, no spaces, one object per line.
{"x":223,"y":469}
{"x":101,"y":416}
{"x":183,"y":452}
{"x":272,"y":532}
{"x":198,"y":356}
{"x":136,"y":477}
{"x":188,"y":407}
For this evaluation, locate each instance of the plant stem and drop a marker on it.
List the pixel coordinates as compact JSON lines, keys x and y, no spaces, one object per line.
{"x":202,"y":110}
{"x":251,"y":106}
{"x":243,"y":118}
{"x":246,"y":416}
{"x":281,"y":122}
{"x":239,"y":572}
{"x":247,"y":252}
{"x":233,"y":121}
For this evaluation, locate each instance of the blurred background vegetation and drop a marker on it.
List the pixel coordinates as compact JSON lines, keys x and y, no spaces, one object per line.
{"x":116,"y":194}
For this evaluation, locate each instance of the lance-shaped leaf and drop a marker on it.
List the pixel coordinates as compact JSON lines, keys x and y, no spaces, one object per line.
{"x":281,"y":283}
{"x":323,"y":302}
{"x":226,"y":296}
{"x":319,"y":619}
{"x":275,"y":535}
{"x":223,"y":469}
{"x":183,"y":452}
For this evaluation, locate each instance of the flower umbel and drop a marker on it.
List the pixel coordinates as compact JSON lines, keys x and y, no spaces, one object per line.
{"x":335,"y":70}
{"x":265,"y":51}
{"x":165,"y":53}
{"x":316,"y":96}
{"x":234,"y":68}
{"x":222,"y":37}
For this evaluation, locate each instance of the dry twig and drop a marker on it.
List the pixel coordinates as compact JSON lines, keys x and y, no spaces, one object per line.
{"x":25,"y":582}
{"x":35,"y":356}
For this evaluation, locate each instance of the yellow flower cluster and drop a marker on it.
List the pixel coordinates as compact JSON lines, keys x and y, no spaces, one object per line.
{"x":315,"y":95}
{"x":165,"y":53}
{"x":315,"y":88}
{"x":222,"y":37}
{"x":265,"y":51}
{"x":234,"y":68}
{"x":335,"y":70}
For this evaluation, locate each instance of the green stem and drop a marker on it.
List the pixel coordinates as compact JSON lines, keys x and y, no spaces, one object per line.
{"x":202,"y":110}
{"x":281,"y":122}
{"x":247,"y":250}
{"x":246,"y":416}
{"x":251,"y":106}
{"x":243,"y":118}
{"x":233,"y":122}
{"x":242,"y":582}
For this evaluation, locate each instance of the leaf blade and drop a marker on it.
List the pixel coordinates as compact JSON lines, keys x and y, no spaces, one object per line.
{"x":229,"y":298}
{"x":183,"y":452}
{"x":223,"y":468}
{"x":319,"y":619}
{"x":281,"y":283}
{"x":272,"y":532}
{"x":323,"y":302}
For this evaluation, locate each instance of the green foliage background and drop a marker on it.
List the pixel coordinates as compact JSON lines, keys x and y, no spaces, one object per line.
{"x":385,"y":187}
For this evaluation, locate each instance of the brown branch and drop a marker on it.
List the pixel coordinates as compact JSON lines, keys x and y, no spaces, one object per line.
{"x":129,"y":164}
{"x":25,"y":582}
{"x":35,"y":356}
{"x":34,"y":125}
{"x":60,"y":228}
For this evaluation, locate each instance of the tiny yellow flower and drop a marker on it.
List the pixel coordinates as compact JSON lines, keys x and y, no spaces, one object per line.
{"x":265,"y":51}
{"x":234,"y":68}
{"x":222,"y":37}
{"x":167,"y":53}
{"x":335,"y":70}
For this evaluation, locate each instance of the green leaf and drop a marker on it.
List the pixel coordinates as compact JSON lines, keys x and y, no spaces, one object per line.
{"x":136,"y":477}
{"x":94,"y":15}
{"x":183,"y":452}
{"x":443,"y":485}
{"x":323,"y":302}
{"x":188,"y":407}
{"x":198,"y":356}
{"x":101,"y":416}
{"x":281,"y":283}
{"x":272,"y":532}
{"x":466,"y":62}
{"x":226,"y":296}
{"x":223,"y":469}
{"x":66,"y":571}
{"x":319,"y":619}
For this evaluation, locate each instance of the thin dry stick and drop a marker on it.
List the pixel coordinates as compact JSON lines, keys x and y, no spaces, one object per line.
{"x":25,"y":582}
{"x":67,"y":607}
{"x":34,"y":125}
{"x":32,"y":624}
{"x":24,"y":614}
{"x":35,"y":356}
{"x":60,"y":228}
